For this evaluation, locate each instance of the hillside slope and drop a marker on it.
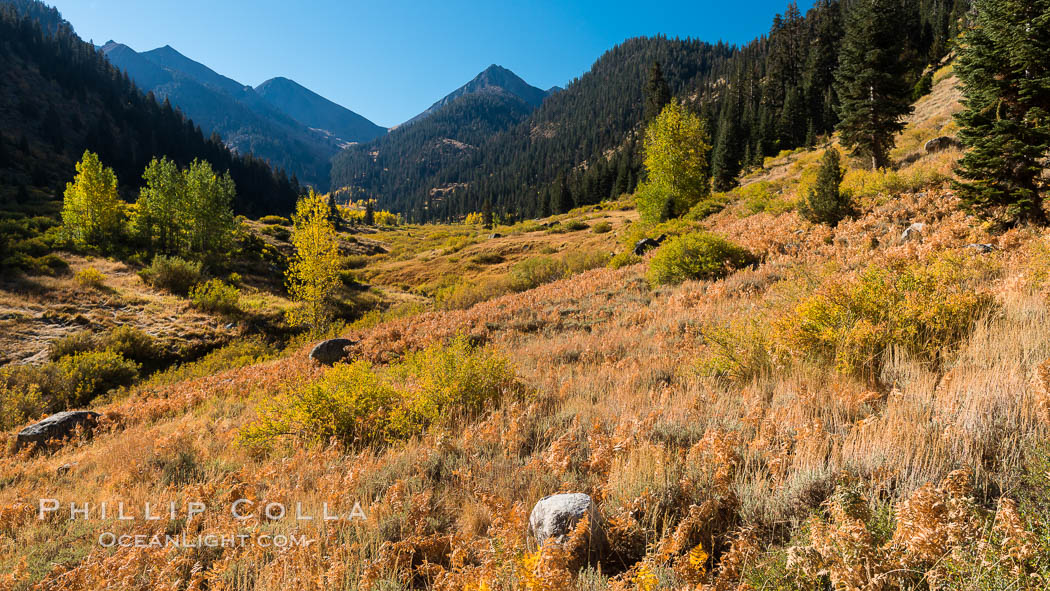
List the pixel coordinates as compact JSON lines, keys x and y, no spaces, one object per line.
{"x":452,"y":136}
{"x":246,"y":122}
{"x":287,"y":125}
{"x":723,"y":444}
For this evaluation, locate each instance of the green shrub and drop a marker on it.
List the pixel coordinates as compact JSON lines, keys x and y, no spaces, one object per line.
{"x":536,"y":271}
{"x":34,"y":247}
{"x":49,"y":264}
{"x":656,"y":203}
{"x":707,"y":207}
{"x":131,"y":343}
{"x":277,"y":232}
{"x":90,"y":277}
{"x":624,"y":259}
{"x":487,"y":258}
{"x":86,"y":376}
{"x":351,"y":404}
{"x":601,"y":228}
{"x":216,"y":297}
{"x":575,"y":226}
{"x":173,"y":274}
{"x":78,"y":342}
{"x":275,"y":220}
{"x":449,"y":382}
{"x":923,"y":308}
{"x":760,"y":197}
{"x":358,"y":404}
{"x":700,"y":255}
{"x":355,"y":261}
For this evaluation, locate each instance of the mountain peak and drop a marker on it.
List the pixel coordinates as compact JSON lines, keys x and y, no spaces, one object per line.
{"x":494,"y":78}
{"x":317,"y":112}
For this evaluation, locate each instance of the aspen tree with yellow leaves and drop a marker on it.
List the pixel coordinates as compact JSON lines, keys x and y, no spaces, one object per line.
{"x":91,"y":208}
{"x":676,"y":148}
{"x":313,"y":272}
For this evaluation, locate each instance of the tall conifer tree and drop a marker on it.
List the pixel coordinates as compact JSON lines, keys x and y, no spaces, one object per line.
{"x":657,"y":92}
{"x":872,"y":80}
{"x":1005,"y":67}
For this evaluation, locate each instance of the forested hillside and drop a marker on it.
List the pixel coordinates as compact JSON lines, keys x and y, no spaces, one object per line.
{"x":592,"y":115}
{"x":59,"y":97}
{"x":580,"y":146}
{"x":447,"y":139}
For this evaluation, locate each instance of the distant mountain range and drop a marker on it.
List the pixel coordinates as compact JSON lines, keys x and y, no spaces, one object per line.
{"x":60,"y":97}
{"x":581,"y":141}
{"x":444,"y":137}
{"x":493,"y":79}
{"x":281,"y":121}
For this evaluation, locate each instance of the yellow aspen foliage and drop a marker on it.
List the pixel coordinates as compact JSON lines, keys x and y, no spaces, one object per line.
{"x":313,"y":272}
{"x":91,"y":209}
{"x":676,"y":149}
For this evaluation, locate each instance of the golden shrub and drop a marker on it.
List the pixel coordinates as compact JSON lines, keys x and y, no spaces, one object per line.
{"x":90,"y":277}
{"x":924,"y":308}
{"x":358,"y":404}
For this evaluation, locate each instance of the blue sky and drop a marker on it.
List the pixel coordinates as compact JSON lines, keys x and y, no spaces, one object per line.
{"x":390,"y":59}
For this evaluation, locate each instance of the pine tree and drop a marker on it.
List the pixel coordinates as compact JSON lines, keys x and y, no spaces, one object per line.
{"x":561,"y":198}
{"x":370,"y":213}
{"x":826,"y":203}
{"x":657,"y":93}
{"x":872,"y":80}
{"x":486,"y":215}
{"x":623,"y":174}
{"x":725,"y":157}
{"x":313,"y":272}
{"x":92,"y":213}
{"x":333,"y":212}
{"x":821,"y":63}
{"x":1005,"y":66}
{"x":545,"y":202}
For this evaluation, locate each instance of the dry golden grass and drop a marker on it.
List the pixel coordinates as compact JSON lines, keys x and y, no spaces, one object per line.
{"x":423,"y":258}
{"x":34,"y":311}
